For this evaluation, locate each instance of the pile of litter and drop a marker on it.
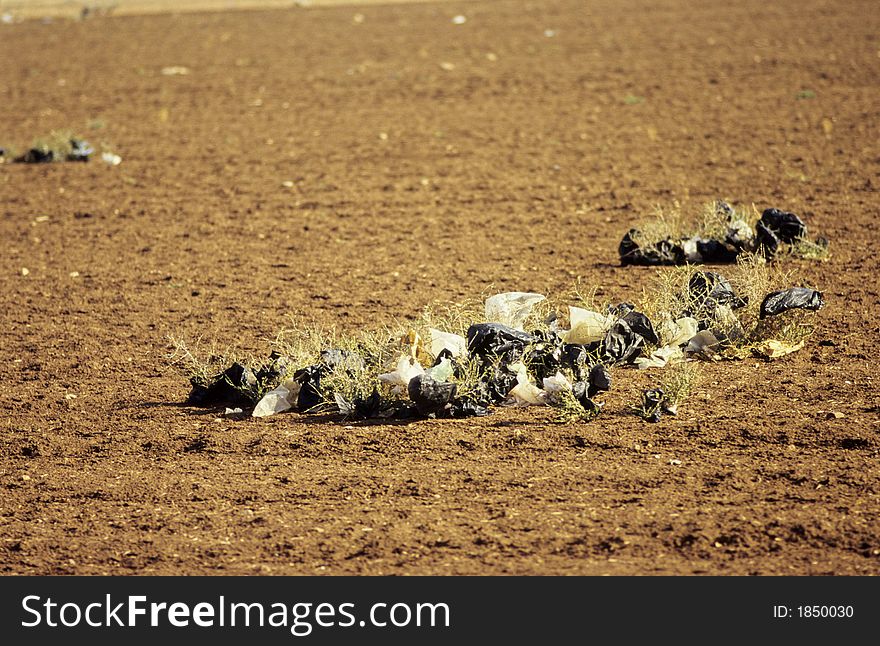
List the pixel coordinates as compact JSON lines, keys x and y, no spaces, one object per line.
{"x":58,"y":147}
{"x":498,"y":362}
{"x":776,"y":230}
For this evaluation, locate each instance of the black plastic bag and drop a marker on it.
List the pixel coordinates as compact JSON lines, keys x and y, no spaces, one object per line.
{"x":577,"y":357}
{"x":654,"y":404}
{"x":499,"y":384}
{"x":36,"y":156}
{"x":787,"y":227}
{"x":544,"y":356}
{"x":430,"y":396}
{"x":598,"y":381}
{"x":229,"y":387}
{"x":466,"y":406}
{"x":710,"y":290}
{"x":622,"y":344}
{"x":309,"y":379}
{"x":664,"y":252}
{"x":488,"y":340}
{"x":641,"y":325}
{"x":787,"y":299}
{"x":581,"y":392}
{"x":716,"y":251}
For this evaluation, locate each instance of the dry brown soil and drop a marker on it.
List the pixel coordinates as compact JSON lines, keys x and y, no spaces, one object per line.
{"x":519,"y":162}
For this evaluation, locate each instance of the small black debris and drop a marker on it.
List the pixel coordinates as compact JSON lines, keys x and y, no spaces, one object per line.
{"x":622,"y":344}
{"x":488,"y":340}
{"x":787,"y":227}
{"x":710,"y":290}
{"x":80,"y":150}
{"x":664,"y":252}
{"x":654,"y":404}
{"x":599,"y":380}
{"x":232,"y":386}
{"x":430,"y":396}
{"x":788,"y":299}
{"x":309,"y":379}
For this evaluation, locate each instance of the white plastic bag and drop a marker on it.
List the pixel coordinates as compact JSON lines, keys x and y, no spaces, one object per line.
{"x":661,"y":357}
{"x":407,"y":368}
{"x":511,"y":308}
{"x":525,"y":393}
{"x":274,"y":401}
{"x":440,"y":341}
{"x":587,"y":326}
{"x":678,"y":332}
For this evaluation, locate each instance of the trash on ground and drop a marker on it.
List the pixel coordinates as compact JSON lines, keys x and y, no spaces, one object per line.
{"x":111,"y":158}
{"x":513,"y":359}
{"x":788,"y":299}
{"x":728,"y":239}
{"x":773,"y":348}
{"x":512,"y":308}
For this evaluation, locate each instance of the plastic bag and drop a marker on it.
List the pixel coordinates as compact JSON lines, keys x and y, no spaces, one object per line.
{"x":587,"y":326}
{"x":678,"y":332}
{"x":641,"y":325}
{"x":525,"y":393}
{"x":407,"y":369}
{"x":660,"y":357}
{"x":274,"y":401}
{"x":664,"y":252}
{"x":309,"y":380}
{"x":488,"y":340}
{"x":228,"y":387}
{"x":511,"y":308}
{"x":704,"y":343}
{"x":709,"y":290}
{"x":457,"y":345}
{"x":555,"y":385}
{"x":787,"y":299}
{"x":622,"y":344}
{"x":430,"y":396}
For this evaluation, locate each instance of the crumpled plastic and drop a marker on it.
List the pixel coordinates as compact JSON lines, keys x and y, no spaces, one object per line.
{"x":511,"y":308}
{"x":544,"y":356}
{"x":787,"y":299}
{"x":228,"y":387}
{"x":622,"y":344}
{"x":429,"y":395}
{"x":442,"y":370}
{"x":703,"y":343}
{"x":555,"y":385}
{"x":710,"y":290}
{"x":664,"y":252}
{"x":587,"y":326}
{"x":641,"y":325}
{"x":679,"y":331}
{"x":278,"y":400}
{"x":407,"y":369}
{"x":490,"y":340}
{"x":456,"y":344}
{"x":661,"y":357}
{"x":525,"y":393}
{"x":774,"y":349}
{"x":654,"y":404}
{"x":309,"y":380}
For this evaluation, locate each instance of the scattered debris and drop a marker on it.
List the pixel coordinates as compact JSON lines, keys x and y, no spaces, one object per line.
{"x":111,"y":158}
{"x":58,"y":146}
{"x":793,"y":298}
{"x":726,"y":236}
{"x":499,"y":362}
{"x":774,"y":349}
